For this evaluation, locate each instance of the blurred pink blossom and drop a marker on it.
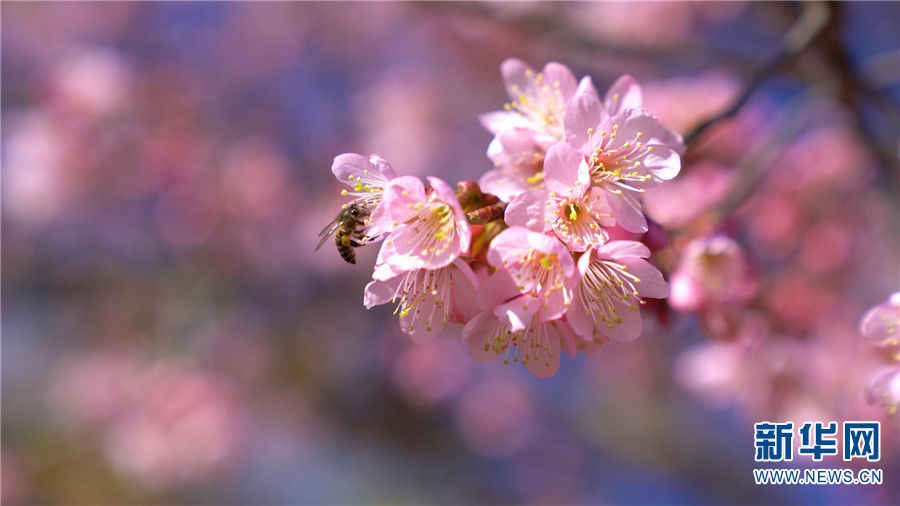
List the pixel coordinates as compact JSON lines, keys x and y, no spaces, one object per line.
{"x":684,"y":199}
{"x":712,"y":271}
{"x":884,"y":389}
{"x":496,"y":417}
{"x":165,"y":424}
{"x":663,"y":24}
{"x":35,"y":187}
{"x":682,"y":102}
{"x":880,"y":326}
{"x":433,"y":371}
{"x":93,"y":81}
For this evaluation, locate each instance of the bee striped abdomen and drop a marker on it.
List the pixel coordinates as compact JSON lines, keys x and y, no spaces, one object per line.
{"x":345,"y":246}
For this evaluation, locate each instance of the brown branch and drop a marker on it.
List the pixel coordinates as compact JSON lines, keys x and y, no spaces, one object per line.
{"x":855,"y":87}
{"x":816,"y":16}
{"x":554,"y":24}
{"x":795,"y":117}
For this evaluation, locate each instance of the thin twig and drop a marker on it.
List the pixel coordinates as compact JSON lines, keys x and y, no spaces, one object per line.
{"x":855,"y":88}
{"x":555,"y":24}
{"x":811,"y":23}
{"x":796,"y":116}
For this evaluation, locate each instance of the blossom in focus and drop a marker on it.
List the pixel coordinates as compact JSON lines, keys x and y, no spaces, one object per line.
{"x":623,"y":154}
{"x":530,"y":263}
{"x":427,"y":299}
{"x":427,"y":227}
{"x":627,"y":94}
{"x":528,"y":125}
{"x":367,"y":178}
{"x":881,"y":325}
{"x":538,"y":100}
{"x":521,"y":329}
{"x":615,"y":279}
{"x":519,"y":158}
{"x":568,"y":207}
{"x":569,"y":170}
{"x":884,"y":389}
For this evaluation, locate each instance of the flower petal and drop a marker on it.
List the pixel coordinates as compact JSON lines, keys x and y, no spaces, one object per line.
{"x":563,"y":171}
{"x":497,"y":289}
{"x":477,"y":335}
{"x":399,"y":197}
{"x":652,"y":284}
{"x":624,"y":94}
{"x":663,"y":162}
{"x":517,"y":77}
{"x":382,"y":166}
{"x":628,"y":213}
{"x":579,"y":320}
{"x":628,"y":329}
{"x":527,"y":210}
{"x":558,"y":73}
{"x":518,"y":312}
{"x":583,"y":113}
{"x":380,"y":292}
{"x":506,"y":244}
{"x":586,"y":85}
{"x":496,"y":181}
{"x":498,"y":121}
{"x":465,"y":284}
{"x":350,"y":164}
{"x":620,"y":249}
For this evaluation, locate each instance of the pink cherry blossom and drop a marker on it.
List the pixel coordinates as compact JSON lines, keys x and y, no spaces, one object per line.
{"x":615,"y":279}
{"x":530,"y":263}
{"x":367,"y":177}
{"x":569,"y":170}
{"x":538,"y":100}
{"x":428,"y":229}
{"x":884,"y":389}
{"x":427,"y":299}
{"x":568,"y":207}
{"x":534,"y":341}
{"x":681,"y":201}
{"x":519,"y":158}
{"x":623,"y":153}
{"x":626,"y":94}
{"x":881,"y":325}
{"x":711,"y":271}
{"x":529,"y":125}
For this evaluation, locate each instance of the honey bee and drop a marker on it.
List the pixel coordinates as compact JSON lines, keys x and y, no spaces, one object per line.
{"x":347,"y":231}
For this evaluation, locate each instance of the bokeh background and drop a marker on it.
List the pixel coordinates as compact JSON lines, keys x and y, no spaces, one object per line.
{"x":169,"y":336}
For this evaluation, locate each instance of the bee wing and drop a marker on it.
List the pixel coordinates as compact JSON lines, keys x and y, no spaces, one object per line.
{"x":328,"y":231}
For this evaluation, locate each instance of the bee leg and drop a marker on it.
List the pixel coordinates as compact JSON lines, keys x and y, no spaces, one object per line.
{"x":346,"y":240}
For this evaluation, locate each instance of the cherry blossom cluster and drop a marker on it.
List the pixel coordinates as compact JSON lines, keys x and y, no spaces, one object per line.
{"x":526,"y":258}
